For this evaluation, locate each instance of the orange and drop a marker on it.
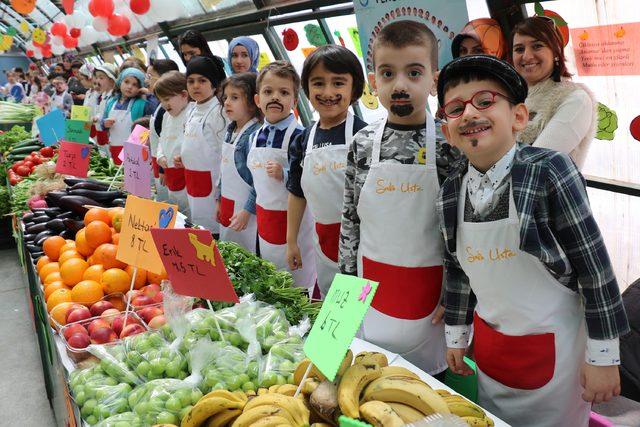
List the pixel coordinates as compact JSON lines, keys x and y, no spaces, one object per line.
{"x":96,"y":214}
{"x":92,"y":260}
{"x":87,"y":292}
{"x":58,"y":297}
{"x":52,"y":245}
{"x":93,"y":273}
{"x":52,"y":287}
{"x":154,"y":278}
{"x":106,"y":255}
{"x":116,"y":215}
{"x":68,"y":246}
{"x":48,"y":269}
{"x":53,"y":277}
{"x":97,"y":233}
{"x":115,"y":280}
{"x":115,"y":239}
{"x":72,"y":271}
{"x":82,"y":246}
{"x":41,"y":262}
{"x":65,"y":256}
{"x":59,"y":313}
{"x":141,"y":276}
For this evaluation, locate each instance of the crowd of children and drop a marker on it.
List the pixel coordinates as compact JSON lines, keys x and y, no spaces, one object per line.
{"x":522,"y":259}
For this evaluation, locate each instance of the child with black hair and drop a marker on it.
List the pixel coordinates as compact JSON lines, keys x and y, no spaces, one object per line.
{"x":333,"y":80}
{"x":203,"y":138}
{"x":237,"y":198}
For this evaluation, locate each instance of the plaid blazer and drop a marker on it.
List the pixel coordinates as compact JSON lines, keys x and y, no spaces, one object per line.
{"x":556,"y":226}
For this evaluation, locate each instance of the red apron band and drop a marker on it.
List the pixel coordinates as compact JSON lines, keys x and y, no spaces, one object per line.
{"x":328,"y":238}
{"x":93,"y":131}
{"x":525,"y":362}
{"x":174,"y":179}
{"x":198,"y":183}
{"x":272,"y":225}
{"x":115,"y":152}
{"x":102,"y":137}
{"x":404,"y":292}
{"x":226,"y":211}
{"x":154,"y":167}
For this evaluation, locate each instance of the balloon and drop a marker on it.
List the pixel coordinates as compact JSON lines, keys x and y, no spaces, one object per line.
{"x":58,"y":29}
{"x":37,"y":54}
{"x":70,"y":42}
{"x":140,"y":7}
{"x":23,"y":6}
{"x":57,"y":41}
{"x":57,"y":50}
{"x":100,"y":23}
{"x":68,"y":6}
{"x":102,"y":8}
{"x":119,"y":25}
{"x":75,"y":33}
{"x":29,"y":53}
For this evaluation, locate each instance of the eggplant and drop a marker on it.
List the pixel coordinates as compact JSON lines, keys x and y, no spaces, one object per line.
{"x":76,"y":203}
{"x":41,"y":218}
{"x":56,"y":225}
{"x":36,"y":256}
{"x":66,"y":215}
{"x":53,"y":198}
{"x":28,"y":237}
{"x":41,"y":237}
{"x":53,"y":212}
{"x":96,"y":186}
{"x":27,"y":217}
{"x":33,"y":248}
{"x":68,"y":234}
{"x":99,"y":196}
{"x":36,"y":228}
{"x":118,"y":203}
{"x":73,"y":225}
{"x":72,"y":182}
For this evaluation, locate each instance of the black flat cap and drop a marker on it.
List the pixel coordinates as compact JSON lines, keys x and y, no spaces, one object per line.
{"x":501,"y":70}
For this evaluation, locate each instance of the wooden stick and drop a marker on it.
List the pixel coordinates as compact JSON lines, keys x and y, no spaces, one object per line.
{"x":304,"y":377}
{"x":126,"y":310}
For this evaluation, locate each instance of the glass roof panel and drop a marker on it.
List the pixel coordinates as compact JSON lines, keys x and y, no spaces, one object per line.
{"x":49,"y":8}
{"x":226,"y":5}
{"x":38,"y":17}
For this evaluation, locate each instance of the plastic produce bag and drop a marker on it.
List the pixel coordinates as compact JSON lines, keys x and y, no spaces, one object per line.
{"x":113,"y":363}
{"x":175,"y":309}
{"x":164,"y":401}
{"x":152,"y":357}
{"x":128,"y":419}
{"x":231,"y":369}
{"x":279,"y":364}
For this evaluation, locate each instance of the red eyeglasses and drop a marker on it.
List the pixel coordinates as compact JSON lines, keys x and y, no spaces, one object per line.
{"x":480,"y":100}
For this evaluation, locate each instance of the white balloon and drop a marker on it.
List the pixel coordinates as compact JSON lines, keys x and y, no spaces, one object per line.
{"x":57,"y":49}
{"x":37,"y":54}
{"x":100,"y":23}
{"x":56,"y":41}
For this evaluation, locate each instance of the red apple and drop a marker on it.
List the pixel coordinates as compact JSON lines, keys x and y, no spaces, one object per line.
{"x":98,"y":323}
{"x":78,"y":314}
{"x":141,"y":301}
{"x":79,"y":340}
{"x":98,"y":308}
{"x":157,"y":322}
{"x":151,"y":290}
{"x":76,"y":328}
{"x":110,"y":314}
{"x":133,"y":293}
{"x":149,"y":313}
{"x":118,"y":322}
{"x":103,"y":335}
{"x":132,"y":329}
{"x":159,"y":297}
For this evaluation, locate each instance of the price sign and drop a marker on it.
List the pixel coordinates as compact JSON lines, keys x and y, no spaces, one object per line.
{"x":340,"y":317}
{"x":137,"y":169}
{"x":73,"y":159}
{"x":77,"y":131}
{"x":136,"y":243}
{"x":139,"y":135}
{"x":51,"y":127}
{"x":79,"y":112}
{"x":194,"y":264}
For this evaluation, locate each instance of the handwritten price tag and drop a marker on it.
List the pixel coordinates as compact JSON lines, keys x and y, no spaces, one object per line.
{"x":77,"y":131}
{"x":51,"y":127}
{"x":139,"y":135}
{"x":136,"y":243}
{"x":79,"y":112}
{"x":137,"y":169}
{"x":340,"y":317}
{"x":194,"y":264}
{"x":73,"y":159}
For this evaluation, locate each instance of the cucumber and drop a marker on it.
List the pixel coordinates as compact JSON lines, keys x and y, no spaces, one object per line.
{"x":25,"y":150}
{"x":27,"y":142}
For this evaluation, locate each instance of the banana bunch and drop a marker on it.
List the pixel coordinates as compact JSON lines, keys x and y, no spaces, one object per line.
{"x":273,"y":409}
{"x":215,"y":409}
{"x":286,"y":389}
{"x":465,"y":409}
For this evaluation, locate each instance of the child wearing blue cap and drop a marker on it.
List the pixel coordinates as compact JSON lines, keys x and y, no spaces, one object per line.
{"x":123,"y":109}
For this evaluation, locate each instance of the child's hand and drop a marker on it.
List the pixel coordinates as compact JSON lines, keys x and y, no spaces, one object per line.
{"x":455,"y":360}
{"x":162,"y":162}
{"x":240,"y":220}
{"x":294,"y":259}
{"x":274,"y":170}
{"x":177,"y":162}
{"x":108,"y":123}
{"x":438,"y":315}
{"x":600,"y":382}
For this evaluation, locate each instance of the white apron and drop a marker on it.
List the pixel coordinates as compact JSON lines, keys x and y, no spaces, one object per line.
{"x":323,"y":185}
{"x":57,"y":101}
{"x":401,"y":248}
{"x":235,"y":192}
{"x":202,"y":166}
{"x":271,"y":212}
{"x":161,"y":190}
{"x":529,"y":329}
{"x":120,"y":131}
{"x":170,"y":145}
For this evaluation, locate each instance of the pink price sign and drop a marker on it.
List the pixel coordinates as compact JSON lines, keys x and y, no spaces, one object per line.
{"x":137,"y":169}
{"x":73,"y":159}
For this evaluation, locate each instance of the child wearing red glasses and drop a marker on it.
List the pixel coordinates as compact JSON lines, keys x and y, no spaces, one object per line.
{"x":525,"y":261}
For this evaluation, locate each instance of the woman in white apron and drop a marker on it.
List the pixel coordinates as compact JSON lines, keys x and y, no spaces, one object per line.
{"x":234,"y":193}
{"x":324,"y":193}
{"x":271,"y":212}
{"x":525,"y":346}
{"x":401,"y":248}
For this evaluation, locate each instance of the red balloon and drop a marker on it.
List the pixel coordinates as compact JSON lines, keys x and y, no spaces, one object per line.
{"x":68,"y":6}
{"x":75,"y":33}
{"x":58,"y":29}
{"x":70,"y":42}
{"x":119,"y":25}
{"x":140,"y":7}
{"x":30,"y":53}
{"x":102,"y":8}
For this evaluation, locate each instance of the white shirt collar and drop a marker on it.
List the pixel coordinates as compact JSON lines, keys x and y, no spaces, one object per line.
{"x":494,"y":176}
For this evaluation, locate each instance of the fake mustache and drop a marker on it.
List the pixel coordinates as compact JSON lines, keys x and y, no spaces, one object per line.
{"x":472,"y":124}
{"x":399,"y":95}
{"x":276,"y":104}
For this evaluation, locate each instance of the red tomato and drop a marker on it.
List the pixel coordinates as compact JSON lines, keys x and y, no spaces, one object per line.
{"x":16,"y":165}
{"x":37,"y":160}
{"x":28,"y":163}
{"x":47,"y":151}
{"x":23,"y":170}
{"x":29,"y":158}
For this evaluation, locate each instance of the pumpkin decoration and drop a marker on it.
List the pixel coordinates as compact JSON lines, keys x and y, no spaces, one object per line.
{"x":23,"y":7}
{"x":290,"y":39}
